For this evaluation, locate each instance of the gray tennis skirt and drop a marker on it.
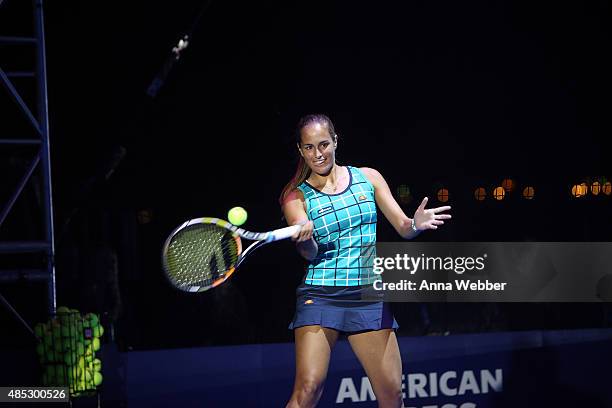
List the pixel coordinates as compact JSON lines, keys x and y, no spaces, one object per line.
{"x":340,"y":308}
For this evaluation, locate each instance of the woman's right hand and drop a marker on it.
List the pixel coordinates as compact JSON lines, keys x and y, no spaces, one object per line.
{"x":305,"y":233}
{"x":294,"y":210}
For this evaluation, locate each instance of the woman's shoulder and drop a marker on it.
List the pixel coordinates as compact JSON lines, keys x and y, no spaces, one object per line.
{"x":371,"y":174}
{"x":295,"y":194}
{"x":369,"y":171}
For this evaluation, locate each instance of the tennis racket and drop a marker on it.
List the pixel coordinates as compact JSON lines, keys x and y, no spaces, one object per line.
{"x":204,"y":252}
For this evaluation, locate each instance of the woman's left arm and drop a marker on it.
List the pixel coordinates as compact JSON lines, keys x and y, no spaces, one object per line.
{"x":423,"y":218}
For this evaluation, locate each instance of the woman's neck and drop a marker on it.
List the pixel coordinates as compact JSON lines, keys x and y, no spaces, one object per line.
{"x":328,"y":182}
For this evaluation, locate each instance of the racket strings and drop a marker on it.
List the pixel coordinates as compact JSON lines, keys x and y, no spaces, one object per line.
{"x":200,"y":254}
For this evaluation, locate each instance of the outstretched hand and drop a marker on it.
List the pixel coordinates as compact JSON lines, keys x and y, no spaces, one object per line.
{"x":430,"y":218}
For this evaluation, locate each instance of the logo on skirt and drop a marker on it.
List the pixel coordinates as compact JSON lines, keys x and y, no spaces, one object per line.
{"x":309,"y":302}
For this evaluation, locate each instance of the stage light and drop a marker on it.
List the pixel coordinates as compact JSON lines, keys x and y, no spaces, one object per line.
{"x":499,"y":193}
{"x":606,"y":188}
{"x":579,"y":190}
{"x":595,"y":188}
{"x":508,"y":185}
{"x":528,"y":193}
{"x":480,"y":194}
{"x":404,"y":195}
{"x":443,"y":195}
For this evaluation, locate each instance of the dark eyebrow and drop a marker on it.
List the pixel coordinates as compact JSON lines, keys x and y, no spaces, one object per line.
{"x":310,"y":144}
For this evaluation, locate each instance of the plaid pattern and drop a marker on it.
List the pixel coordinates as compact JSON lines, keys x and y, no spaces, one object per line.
{"x":345,"y":231}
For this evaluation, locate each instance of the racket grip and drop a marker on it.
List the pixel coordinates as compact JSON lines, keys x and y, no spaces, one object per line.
{"x":284,"y":233}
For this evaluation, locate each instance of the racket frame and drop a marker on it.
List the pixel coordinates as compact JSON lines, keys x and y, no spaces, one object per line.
{"x":260,"y":238}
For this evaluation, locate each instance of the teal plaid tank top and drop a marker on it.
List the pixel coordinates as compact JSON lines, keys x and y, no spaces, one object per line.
{"x":345,"y":231}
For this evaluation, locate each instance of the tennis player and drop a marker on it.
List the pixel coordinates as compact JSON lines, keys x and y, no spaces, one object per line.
{"x":337,"y":206}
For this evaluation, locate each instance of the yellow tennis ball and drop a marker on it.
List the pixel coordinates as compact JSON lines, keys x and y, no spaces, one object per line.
{"x":62,"y":310}
{"x":95,"y":344}
{"x":39,"y":330}
{"x":81,"y":363}
{"x":97,"y":364}
{"x":57,"y":333}
{"x":93,"y":319}
{"x":80,"y":349}
{"x":97,"y":378}
{"x":88,"y":377}
{"x":237,"y":216}
{"x":70,"y":358}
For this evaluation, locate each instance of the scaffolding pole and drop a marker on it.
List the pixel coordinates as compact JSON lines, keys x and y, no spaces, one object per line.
{"x":39,"y":121}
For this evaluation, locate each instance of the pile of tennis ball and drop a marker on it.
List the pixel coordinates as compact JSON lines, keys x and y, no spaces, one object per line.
{"x":67,"y":351}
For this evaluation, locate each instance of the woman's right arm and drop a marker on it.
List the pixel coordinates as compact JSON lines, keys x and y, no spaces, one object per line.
{"x":293,"y":209}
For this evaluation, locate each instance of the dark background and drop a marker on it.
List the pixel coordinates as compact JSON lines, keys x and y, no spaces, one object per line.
{"x":432,"y":94}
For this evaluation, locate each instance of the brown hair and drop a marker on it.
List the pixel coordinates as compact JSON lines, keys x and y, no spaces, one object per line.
{"x":302,"y":171}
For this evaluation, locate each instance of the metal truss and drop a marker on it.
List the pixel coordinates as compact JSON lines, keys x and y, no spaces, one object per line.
{"x":39,"y":124}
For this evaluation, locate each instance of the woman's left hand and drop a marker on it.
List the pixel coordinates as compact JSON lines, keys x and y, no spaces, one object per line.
{"x":431,"y":218}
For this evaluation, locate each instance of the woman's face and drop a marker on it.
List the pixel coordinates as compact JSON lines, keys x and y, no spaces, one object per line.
{"x":318,"y":148}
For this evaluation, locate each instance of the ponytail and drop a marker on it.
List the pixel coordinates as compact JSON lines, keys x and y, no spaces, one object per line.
{"x":302,"y":172}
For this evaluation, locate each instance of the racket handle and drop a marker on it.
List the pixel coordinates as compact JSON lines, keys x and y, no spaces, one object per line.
{"x":284,"y":233}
